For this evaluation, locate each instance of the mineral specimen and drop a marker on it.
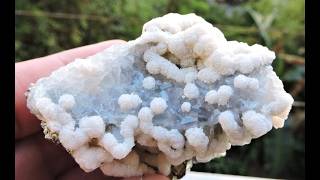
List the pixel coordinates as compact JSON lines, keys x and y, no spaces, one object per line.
{"x":179,"y":93}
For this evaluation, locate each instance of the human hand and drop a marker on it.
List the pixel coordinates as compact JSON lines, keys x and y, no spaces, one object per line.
{"x":35,"y":157}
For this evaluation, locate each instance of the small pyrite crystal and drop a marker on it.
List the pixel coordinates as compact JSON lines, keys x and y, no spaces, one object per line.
{"x":179,"y":93}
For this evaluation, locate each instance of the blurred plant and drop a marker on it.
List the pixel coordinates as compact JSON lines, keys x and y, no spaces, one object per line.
{"x":263,"y":23}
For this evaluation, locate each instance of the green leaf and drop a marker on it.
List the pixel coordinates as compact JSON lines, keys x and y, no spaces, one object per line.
{"x":294,"y":74}
{"x":279,"y":66}
{"x":263,"y":23}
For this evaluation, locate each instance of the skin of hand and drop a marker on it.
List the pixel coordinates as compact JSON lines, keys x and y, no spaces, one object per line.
{"x":35,"y":157}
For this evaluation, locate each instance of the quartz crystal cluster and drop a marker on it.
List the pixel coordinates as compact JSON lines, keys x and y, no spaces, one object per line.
{"x":178,"y":93}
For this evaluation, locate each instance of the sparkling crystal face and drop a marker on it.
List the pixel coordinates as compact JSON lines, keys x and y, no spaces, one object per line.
{"x":179,"y":92}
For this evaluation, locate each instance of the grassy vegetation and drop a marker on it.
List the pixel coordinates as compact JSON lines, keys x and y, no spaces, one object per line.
{"x":45,"y":27}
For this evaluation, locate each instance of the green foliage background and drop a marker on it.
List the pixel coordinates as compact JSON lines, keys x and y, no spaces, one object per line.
{"x":45,"y":27}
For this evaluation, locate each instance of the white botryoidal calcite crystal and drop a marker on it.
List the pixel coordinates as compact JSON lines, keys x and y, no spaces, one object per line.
{"x":185,"y":107}
{"x":149,"y":82}
{"x":179,"y":92}
{"x":158,"y":105}
{"x":129,"y":101}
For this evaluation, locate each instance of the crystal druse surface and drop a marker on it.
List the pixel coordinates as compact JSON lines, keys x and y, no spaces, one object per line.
{"x":178,"y":93}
